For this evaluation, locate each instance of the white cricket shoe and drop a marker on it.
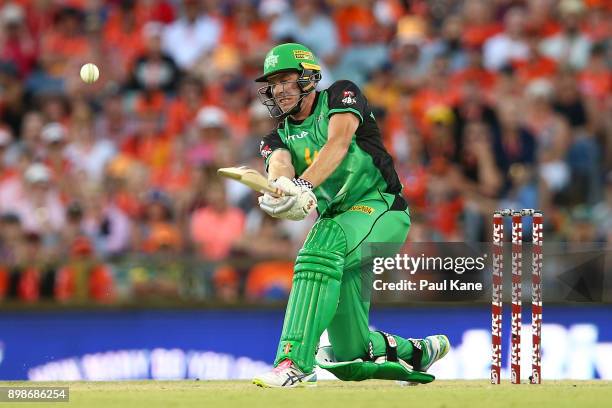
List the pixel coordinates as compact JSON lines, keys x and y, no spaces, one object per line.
{"x":285,"y":375}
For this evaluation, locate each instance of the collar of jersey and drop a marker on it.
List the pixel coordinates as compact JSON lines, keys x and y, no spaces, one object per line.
{"x":312,"y":109}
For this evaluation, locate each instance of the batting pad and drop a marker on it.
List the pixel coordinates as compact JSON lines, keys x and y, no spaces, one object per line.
{"x":359,"y":370}
{"x":314,"y":294}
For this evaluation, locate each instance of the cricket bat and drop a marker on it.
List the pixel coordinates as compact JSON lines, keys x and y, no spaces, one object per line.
{"x":250,"y":178}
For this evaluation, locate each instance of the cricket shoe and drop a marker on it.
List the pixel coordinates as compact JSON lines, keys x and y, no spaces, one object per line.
{"x":437,"y":346}
{"x":286,"y":375}
{"x":434,"y":348}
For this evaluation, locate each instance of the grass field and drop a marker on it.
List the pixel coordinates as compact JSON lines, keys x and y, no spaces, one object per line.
{"x":439,"y":394}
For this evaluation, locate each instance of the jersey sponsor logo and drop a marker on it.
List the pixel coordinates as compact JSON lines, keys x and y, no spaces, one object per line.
{"x":301,"y":54}
{"x":271,"y":61}
{"x":300,"y":135}
{"x":362,"y":208}
{"x":265,"y":150}
{"x":348,"y":98}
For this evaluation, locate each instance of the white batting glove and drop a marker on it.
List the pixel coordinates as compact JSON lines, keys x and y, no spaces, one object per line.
{"x":305,"y":201}
{"x":276,"y":207}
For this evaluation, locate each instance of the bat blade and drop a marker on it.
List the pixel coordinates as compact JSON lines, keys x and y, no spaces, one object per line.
{"x":250,"y":178}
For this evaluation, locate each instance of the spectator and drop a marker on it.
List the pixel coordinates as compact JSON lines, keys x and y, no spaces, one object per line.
{"x":183,"y":110}
{"x":84,"y":278}
{"x":595,"y":80}
{"x":88,"y":153}
{"x":29,"y":139}
{"x":478,"y":23}
{"x":53,"y":135}
{"x":113,"y":123}
{"x":65,"y":41}
{"x":509,"y":45}
{"x":406,"y":56}
{"x":537,"y":65}
{"x":153,"y":69}
{"x":122,"y":31}
{"x":10,"y":236}
{"x":27,"y":272}
{"x":157,"y":232}
{"x":149,"y":144}
{"x":551,"y":133}
{"x":211,"y":135}
{"x":215,"y":227}
{"x":307,"y":25}
{"x":570,"y":46}
{"x":107,"y":226}
{"x":449,"y":44}
{"x":191,"y":36}
{"x":36,"y":201}
{"x":515,"y":143}
{"x":16,"y":41}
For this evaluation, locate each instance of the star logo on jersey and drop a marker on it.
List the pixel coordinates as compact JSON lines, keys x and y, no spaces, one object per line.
{"x":265,"y":150}
{"x":271,"y":61}
{"x":348,"y":98}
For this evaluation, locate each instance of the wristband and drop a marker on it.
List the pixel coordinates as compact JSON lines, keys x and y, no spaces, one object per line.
{"x":300,"y":182}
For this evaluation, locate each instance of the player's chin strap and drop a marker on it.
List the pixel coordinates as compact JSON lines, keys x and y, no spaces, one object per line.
{"x":307,"y":83}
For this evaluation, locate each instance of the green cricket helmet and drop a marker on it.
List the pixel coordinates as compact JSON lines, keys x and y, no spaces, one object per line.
{"x":289,"y":57}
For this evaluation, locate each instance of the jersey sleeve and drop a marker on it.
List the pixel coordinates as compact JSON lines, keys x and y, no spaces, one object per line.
{"x":270,"y":142}
{"x":345,"y":96}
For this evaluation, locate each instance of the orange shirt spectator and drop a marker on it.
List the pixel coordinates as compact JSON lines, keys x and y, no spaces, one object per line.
{"x":596,"y":79}
{"x":122,"y":31}
{"x":243,"y":30}
{"x":152,"y":150}
{"x":183,"y":110}
{"x":148,"y":145}
{"x":534,"y":68}
{"x":355,"y":23}
{"x":64,"y":42}
{"x":174,"y":177}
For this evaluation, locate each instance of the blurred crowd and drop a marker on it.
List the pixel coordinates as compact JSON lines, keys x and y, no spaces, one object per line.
{"x":108,"y":190}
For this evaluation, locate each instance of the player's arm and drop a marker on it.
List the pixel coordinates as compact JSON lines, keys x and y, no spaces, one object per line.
{"x":347,"y":108}
{"x":277,"y":156}
{"x":280,"y":164}
{"x":341,"y":129}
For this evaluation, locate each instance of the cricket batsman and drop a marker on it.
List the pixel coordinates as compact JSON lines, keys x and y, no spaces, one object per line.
{"x":327,"y":154}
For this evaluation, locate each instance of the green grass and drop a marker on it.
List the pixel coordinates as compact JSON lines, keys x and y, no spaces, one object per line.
{"x":439,"y":394}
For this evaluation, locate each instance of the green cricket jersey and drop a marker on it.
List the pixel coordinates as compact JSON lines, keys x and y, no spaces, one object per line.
{"x":366,"y":171}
